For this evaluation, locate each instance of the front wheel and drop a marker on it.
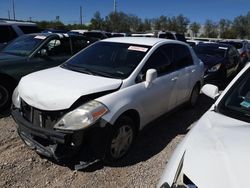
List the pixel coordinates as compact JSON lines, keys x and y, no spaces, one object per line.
{"x":121,"y":139}
{"x":5,"y":96}
{"x":194,"y":95}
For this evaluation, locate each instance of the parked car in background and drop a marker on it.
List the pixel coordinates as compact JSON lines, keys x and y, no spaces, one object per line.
{"x":221,"y":61}
{"x":193,"y":43}
{"x":96,"y":34}
{"x":51,"y":30}
{"x":10,"y":30}
{"x":216,"y":153}
{"x":243,"y":48}
{"x":102,"y":97}
{"x":171,"y":35}
{"x":33,"y":52}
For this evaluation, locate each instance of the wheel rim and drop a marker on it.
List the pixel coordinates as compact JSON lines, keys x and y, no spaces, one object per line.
{"x":4,"y":96}
{"x":122,"y":141}
{"x":195,"y":95}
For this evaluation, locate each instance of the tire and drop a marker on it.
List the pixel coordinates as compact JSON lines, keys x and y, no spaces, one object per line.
{"x":5,"y":96}
{"x":121,"y":139}
{"x":194,"y":95}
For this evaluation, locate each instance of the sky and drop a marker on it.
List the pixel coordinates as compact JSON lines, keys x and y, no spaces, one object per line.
{"x":69,"y":11}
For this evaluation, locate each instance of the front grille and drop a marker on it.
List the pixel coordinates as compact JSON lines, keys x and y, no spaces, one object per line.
{"x":41,"y":118}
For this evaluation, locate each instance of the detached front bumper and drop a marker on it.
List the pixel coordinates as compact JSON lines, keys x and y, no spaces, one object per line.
{"x":63,"y":144}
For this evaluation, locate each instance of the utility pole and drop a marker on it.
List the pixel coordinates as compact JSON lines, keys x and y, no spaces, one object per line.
{"x":115,"y":6}
{"x":14,"y":14}
{"x":81,"y":15}
{"x":9,"y":14}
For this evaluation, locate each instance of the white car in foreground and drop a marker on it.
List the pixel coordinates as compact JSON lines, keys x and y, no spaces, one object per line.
{"x":216,"y":153}
{"x":102,"y":97}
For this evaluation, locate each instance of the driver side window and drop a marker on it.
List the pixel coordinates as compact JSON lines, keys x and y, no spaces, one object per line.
{"x":161,"y":60}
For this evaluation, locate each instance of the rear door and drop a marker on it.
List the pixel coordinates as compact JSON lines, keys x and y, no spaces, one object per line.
{"x":185,"y":70}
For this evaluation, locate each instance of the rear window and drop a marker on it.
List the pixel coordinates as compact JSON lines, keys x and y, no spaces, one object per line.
{"x":7,"y":33}
{"x":29,"y":29}
{"x":237,"y":45}
{"x":210,"y":50}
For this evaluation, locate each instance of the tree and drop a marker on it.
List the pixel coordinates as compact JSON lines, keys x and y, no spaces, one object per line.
{"x":210,"y":29}
{"x":135,"y":23}
{"x":97,"y":21}
{"x":117,"y":22}
{"x":161,"y":23}
{"x":195,"y":28}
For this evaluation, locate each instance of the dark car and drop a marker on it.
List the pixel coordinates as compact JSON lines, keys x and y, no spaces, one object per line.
{"x":243,"y":48}
{"x":33,"y":52}
{"x":10,"y":30}
{"x":221,"y":61}
{"x":171,"y":35}
{"x":96,"y":34}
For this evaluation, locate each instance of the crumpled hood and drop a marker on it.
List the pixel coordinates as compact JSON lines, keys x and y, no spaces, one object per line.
{"x":218,"y":153}
{"x":58,"y":88}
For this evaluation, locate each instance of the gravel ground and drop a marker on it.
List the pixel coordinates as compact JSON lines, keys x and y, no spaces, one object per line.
{"x":142,"y":167}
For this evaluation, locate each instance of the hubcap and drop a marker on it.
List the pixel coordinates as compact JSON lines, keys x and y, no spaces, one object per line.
{"x":4,"y":95}
{"x":122,"y":141}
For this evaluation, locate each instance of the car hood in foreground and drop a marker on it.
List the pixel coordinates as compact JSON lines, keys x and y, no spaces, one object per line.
{"x":218,"y":153}
{"x":58,"y":88}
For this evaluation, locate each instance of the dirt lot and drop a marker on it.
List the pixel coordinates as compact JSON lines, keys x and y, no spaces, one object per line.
{"x":142,"y":167}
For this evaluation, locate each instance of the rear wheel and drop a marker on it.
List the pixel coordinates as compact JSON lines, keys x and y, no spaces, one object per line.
{"x":121,"y":139}
{"x":194,"y":95}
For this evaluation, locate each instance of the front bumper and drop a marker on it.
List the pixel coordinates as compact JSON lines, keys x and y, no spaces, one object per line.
{"x":63,"y":144}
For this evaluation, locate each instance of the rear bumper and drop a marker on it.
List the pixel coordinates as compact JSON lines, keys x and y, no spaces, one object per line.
{"x":63,"y":144}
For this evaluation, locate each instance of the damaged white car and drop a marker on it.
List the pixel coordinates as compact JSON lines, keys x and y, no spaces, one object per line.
{"x":216,"y":153}
{"x":104,"y":95}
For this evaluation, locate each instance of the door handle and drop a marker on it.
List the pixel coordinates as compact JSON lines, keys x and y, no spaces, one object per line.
{"x":174,"y":78}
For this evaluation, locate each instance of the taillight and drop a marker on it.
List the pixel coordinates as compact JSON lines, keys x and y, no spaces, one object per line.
{"x":243,"y":54}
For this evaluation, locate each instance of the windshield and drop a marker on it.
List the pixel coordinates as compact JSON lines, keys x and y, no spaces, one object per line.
{"x":210,"y":50}
{"x":24,"y":45}
{"x":236,"y":102}
{"x":108,"y":59}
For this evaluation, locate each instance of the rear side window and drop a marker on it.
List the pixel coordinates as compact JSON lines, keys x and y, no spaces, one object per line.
{"x":180,"y":37}
{"x":29,"y":29}
{"x":6,"y":33}
{"x":182,"y":56}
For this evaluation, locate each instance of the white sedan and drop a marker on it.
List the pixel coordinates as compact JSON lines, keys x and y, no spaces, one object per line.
{"x":104,"y":95}
{"x":216,"y":151}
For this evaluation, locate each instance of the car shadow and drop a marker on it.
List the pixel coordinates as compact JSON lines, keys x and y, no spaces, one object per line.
{"x":155,"y":136}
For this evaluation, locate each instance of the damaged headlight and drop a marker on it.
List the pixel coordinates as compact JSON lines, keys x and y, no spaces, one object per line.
{"x":16,"y":99}
{"x":82,"y":117}
{"x":214,"y":68}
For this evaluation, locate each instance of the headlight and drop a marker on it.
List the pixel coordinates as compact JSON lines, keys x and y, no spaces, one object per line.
{"x":82,"y":117}
{"x":214,"y":68}
{"x":16,"y":98}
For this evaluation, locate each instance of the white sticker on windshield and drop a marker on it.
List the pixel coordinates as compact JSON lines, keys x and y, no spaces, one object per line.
{"x":223,"y":48}
{"x":40,"y":37}
{"x":137,"y":48}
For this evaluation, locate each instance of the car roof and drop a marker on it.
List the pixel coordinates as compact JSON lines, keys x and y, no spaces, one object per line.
{"x":148,"y":41}
{"x":10,"y":22}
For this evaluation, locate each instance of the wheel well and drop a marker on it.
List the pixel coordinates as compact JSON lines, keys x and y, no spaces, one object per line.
{"x":9,"y":79}
{"x":135,"y":116}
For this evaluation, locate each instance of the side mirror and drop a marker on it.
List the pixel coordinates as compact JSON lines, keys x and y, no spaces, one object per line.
{"x":211,"y":91}
{"x":151,"y":75}
{"x":43,"y":53}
